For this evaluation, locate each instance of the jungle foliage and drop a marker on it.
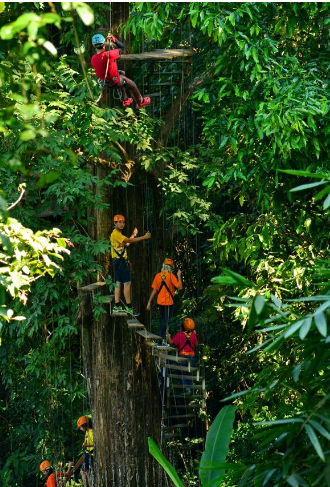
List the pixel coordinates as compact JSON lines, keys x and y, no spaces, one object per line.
{"x":246,"y":189}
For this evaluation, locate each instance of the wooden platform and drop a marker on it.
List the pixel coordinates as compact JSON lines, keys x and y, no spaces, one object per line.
{"x":92,"y":287}
{"x":147,"y":334}
{"x":108,"y":299}
{"x":134,"y":324}
{"x":163,"y":54}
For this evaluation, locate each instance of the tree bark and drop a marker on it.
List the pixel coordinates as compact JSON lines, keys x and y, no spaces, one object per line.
{"x":122,"y":382}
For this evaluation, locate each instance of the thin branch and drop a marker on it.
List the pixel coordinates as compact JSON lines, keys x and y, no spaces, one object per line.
{"x":20,"y":197}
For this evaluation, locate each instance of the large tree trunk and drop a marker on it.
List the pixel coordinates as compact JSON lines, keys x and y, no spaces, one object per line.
{"x":122,"y":382}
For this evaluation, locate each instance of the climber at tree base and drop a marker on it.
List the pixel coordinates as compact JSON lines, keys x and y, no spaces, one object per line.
{"x":85,"y":424}
{"x":55,"y":479}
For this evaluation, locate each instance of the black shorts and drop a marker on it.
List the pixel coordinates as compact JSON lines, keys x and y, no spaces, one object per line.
{"x":122,"y":273}
{"x":88,"y":462}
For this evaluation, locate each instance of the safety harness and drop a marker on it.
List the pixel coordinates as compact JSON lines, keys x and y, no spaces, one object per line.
{"x":187,"y":335}
{"x":163,"y":284}
{"x":120,"y":257}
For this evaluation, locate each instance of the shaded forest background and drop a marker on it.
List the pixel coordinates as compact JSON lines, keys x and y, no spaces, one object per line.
{"x":237,"y":192}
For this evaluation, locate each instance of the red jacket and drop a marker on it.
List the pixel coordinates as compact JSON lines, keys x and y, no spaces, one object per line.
{"x":180,"y":339}
{"x":99,"y":62}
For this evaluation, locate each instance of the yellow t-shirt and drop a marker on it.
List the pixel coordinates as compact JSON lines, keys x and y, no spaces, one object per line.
{"x":116,"y":240}
{"x":89,"y":440}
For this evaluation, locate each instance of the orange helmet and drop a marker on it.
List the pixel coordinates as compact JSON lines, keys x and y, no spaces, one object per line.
{"x":44,"y":465}
{"x":118,"y":218}
{"x":188,"y":324}
{"x":82,"y":420}
{"x":168,"y":262}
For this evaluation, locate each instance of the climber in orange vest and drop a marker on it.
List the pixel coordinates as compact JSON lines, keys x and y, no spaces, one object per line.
{"x":55,"y":479}
{"x":185,"y":341}
{"x":165,"y":283}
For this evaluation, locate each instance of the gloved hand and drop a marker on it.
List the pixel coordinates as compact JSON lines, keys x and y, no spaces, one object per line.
{"x":111,"y":37}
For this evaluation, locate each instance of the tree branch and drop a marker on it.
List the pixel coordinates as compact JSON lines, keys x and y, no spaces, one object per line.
{"x":22,"y":187}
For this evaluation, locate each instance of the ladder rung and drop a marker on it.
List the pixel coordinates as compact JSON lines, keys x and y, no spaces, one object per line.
{"x":178,"y":416}
{"x":178,"y":376}
{"x":190,"y":397}
{"x":166,"y":72}
{"x":166,"y":83}
{"x":107,"y":299}
{"x":171,"y":435}
{"x":164,"y":348}
{"x":178,"y":367}
{"x":119,"y":313}
{"x":181,"y":386}
{"x":133,"y":323}
{"x":147,"y":334}
{"x":92,"y":287}
{"x":180,"y":425}
{"x":171,"y":357}
{"x":183,"y":406}
{"x":135,"y":326}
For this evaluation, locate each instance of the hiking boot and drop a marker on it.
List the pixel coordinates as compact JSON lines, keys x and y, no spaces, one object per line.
{"x":145,"y":101}
{"x":128,"y":102}
{"x":117,"y":308}
{"x":130,"y":311}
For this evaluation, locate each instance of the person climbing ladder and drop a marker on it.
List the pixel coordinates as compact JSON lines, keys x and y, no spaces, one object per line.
{"x":165,"y":284}
{"x":55,"y":479}
{"x":105,"y":66}
{"x":185,"y":341}
{"x":119,"y":244}
{"x":85,"y":424}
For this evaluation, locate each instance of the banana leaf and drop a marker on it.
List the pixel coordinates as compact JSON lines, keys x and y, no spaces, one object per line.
{"x":169,"y":469}
{"x":216,"y":447}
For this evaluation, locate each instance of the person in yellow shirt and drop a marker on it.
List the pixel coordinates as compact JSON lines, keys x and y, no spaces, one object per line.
{"x":119,"y":244}
{"x":85,"y":424}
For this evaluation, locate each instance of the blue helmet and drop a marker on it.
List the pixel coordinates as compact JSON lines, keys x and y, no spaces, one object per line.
{"x":98,"y":39}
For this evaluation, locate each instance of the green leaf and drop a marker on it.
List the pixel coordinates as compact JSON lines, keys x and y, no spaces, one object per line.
{"x":320,"y":429}
{"x":307,"y":174}
{"x":27,"y":135}
{"x":50,"y":47}
{"x":315,"y":441}
{"x":326,"y":202}
{"x":2,"y":7}
{"x":293,"y":328}
{"x":232,"y":278}
{"x":305,"y":327}
{"x":217,"y":445}
{"x":85,"y":12}
{"x":292,"y":481}
{"x":307,"y":186}
{"x":259,"y":303}
{"x":321,"y":323}
{"x":169,"y":469}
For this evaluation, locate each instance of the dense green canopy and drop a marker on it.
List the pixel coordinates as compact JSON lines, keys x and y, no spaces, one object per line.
{"x":242,"y":169}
